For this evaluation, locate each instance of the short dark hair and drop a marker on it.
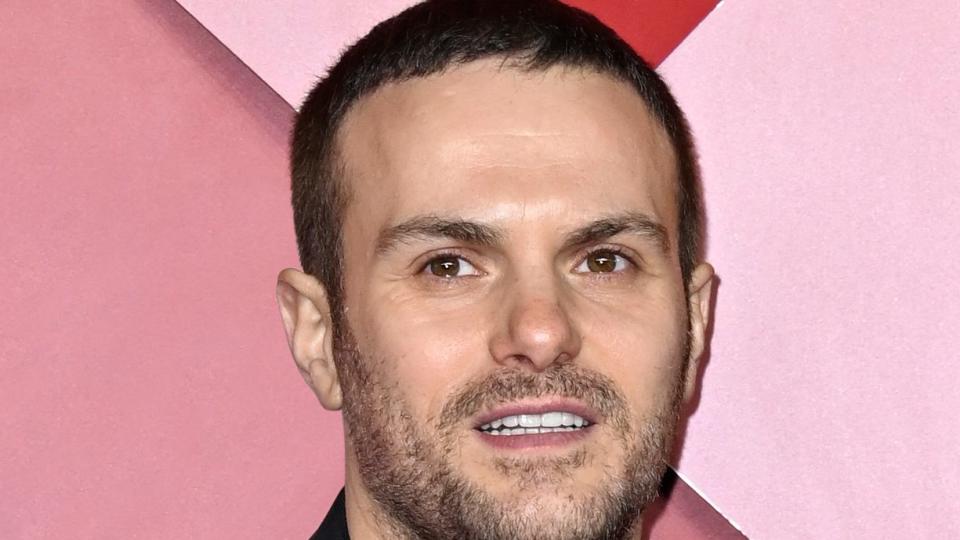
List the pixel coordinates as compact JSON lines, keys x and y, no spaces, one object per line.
{"x":429,"y":38}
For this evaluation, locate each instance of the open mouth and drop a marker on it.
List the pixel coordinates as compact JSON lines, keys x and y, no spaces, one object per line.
{"x":535,"y":424}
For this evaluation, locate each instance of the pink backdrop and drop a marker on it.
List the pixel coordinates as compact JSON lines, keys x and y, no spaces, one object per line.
{"x":144,"y":209}
{"x":146,"y":384}
{"x":828,"y":139}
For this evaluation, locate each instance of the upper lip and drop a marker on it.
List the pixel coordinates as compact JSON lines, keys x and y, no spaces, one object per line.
{"x":538,"y":406}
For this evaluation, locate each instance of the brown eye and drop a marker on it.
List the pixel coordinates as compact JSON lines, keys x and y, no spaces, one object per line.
{"x":445,"y":267}
{"x":603,"y":261}
{"x":450,"y":266}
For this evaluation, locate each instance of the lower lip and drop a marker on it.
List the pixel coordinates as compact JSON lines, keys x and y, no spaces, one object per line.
{"x":535,"y":440}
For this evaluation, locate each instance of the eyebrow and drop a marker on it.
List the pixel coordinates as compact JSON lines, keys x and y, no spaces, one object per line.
{"x":480,"y":234}
{"x":636,"y":223}
{"x":425,"y":227}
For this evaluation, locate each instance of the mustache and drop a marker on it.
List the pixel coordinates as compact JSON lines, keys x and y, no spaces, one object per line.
{"x":562,"y":379}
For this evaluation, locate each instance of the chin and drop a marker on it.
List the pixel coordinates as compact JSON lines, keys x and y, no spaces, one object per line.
{"x":558,"y":511}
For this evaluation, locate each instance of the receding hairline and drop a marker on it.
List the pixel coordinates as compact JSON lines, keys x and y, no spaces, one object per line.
{"x":518,"y":62}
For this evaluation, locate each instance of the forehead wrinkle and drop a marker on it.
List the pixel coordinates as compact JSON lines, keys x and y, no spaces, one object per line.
{"x":399,"y":105}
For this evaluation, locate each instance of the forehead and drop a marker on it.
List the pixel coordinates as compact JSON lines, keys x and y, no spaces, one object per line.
{"x":482,"y":135}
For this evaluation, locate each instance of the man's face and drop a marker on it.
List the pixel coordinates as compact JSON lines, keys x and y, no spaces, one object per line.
{"x":516,"y":322}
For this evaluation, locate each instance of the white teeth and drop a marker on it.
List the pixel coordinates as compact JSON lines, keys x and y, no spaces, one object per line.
{"x":530,"y":420}
{"x":522,"y":424}
{"x":529,"y":431}
{"x":552,"y":419}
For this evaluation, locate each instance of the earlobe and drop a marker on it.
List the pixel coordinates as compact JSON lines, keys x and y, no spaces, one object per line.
{"x":700,"y":290}
{"x":305,"y":312}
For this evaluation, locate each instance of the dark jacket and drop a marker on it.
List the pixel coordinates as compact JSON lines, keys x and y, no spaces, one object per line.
{"x":334,"y":526}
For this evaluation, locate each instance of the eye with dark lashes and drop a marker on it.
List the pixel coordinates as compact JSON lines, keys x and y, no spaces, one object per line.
{"x":614,"y":251}
{"x":452,"y":263}
{"x":447,"y":261}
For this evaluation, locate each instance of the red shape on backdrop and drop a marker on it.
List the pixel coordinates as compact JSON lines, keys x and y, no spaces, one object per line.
{"x":653,"y":27}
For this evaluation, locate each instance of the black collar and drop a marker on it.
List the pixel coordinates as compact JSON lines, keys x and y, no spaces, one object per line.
{"x":334,"y":526}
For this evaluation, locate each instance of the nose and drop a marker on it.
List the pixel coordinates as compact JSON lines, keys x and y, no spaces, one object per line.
{"x":535,"y":329}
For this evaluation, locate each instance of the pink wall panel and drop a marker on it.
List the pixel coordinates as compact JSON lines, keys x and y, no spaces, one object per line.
{"x":289,"y":43}
{"x":145,"y":214}
{"x":146,"y":386}
{"x":147,"y":390}
{"x":828,"y":137}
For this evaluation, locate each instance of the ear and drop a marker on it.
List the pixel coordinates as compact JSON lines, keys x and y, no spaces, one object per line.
{"x":700,"y":290}
{"x":305,"y":311}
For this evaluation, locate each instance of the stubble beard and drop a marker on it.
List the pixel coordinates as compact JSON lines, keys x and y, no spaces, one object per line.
{"x":408,"y":469}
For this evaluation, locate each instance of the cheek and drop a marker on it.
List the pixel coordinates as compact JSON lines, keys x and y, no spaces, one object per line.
{"x":639,"y":346}
{"x":427,"y":353}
